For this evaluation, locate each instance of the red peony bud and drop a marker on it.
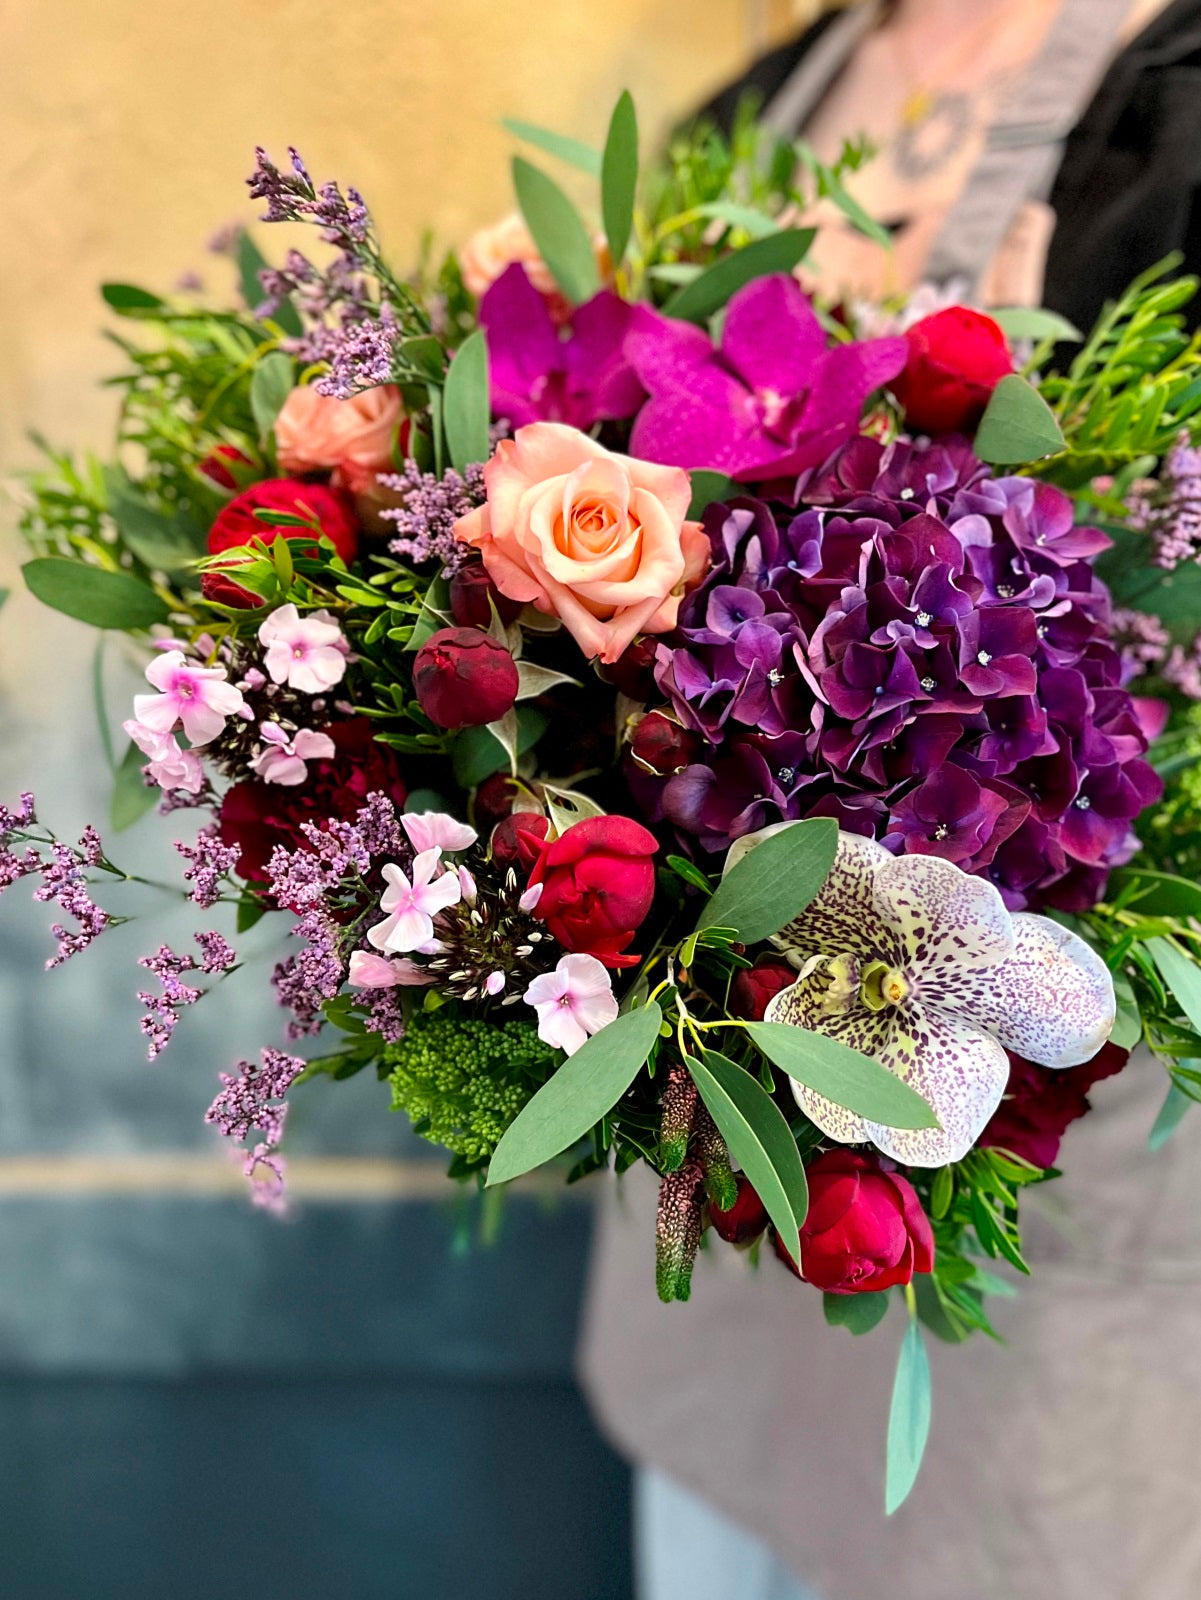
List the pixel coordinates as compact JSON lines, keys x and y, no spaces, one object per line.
{"x":633,"y":673}
{"x":236,"y":524}
{"x":517,"y":840}
{"x":956,"y":359}
{"x":598,"y":882}
{"x":470,"y":590}
{"x":746,"y":1218}
{"x":754,"y":988}
{"x":463,"y":678}
{"x":662,"y":746}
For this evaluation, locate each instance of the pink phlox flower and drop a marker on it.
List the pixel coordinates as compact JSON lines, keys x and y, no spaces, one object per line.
{"x":283,"y":761}
{"x":200,"y":698}
{"x":531,"y":897}
{"x":412,"y":906}
{"x":573,"y":1002}
{"x":368,"y":971}
{"x":170,"y":766}
{"x":307,"y":653}
{"x":436,"y":830}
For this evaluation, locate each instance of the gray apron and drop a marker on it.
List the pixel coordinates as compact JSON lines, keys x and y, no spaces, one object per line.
{"x":1062,"y":1465}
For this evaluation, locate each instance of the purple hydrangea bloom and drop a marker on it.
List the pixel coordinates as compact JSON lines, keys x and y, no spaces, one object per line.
{"x":539,"y":375}
{"x":772,"y":399}
{"x":923,"y":652}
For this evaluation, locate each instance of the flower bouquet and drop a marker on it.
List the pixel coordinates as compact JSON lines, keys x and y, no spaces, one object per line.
{"x":671,"y":717}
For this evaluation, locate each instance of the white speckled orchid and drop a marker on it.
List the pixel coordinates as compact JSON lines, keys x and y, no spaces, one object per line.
{"x":912,"y":961}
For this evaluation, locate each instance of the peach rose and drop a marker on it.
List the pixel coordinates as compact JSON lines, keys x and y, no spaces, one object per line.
{"x":490,"y":250}
{"x":351,"y":438}
{"x":600,"y":541}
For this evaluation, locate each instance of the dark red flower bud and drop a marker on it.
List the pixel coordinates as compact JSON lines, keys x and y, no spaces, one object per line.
{"x":746,"y":1218}
{"x":662,"y":746}
{"x":957,"y":357}
{"x":633,"y":673}
{"x":216,"y":465}
{"x":464,"y":678}
{"x":754,"y":988}
{"x":236,"y":524}
{"x":517,"y":840}
{"x":493,"y":801}
{"x":470,"y":590}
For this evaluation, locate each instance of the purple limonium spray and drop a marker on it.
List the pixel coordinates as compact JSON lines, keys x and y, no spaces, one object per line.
{"x":163,"y":1010}
{"x":428,"y":510}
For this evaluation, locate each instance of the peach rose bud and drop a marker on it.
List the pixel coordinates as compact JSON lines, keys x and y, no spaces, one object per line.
{"x":352,"y":438}
{"x":600,"y":541}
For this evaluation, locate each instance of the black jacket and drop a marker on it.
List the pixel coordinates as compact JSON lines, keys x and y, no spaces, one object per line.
{"x":1128,"y":190}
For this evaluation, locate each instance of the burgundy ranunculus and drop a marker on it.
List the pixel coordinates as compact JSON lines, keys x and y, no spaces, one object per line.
{"x":257,"y":816}
{"x":517,"y":840}
{"x":598,"y":883}
{"x":1039,"y":1104}
{"x":746,"y":1218}
{"x":236,"y":525}
{"x":464,"y":678}
{"x":865,"y":1228}
{"x":755,"y":987}
{"x":957,"y":357}
{"x":660,"y":745}
{"x":470,"y":591}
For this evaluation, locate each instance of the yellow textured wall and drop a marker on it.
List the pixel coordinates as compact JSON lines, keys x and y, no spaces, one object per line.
{"x":126,"y":130}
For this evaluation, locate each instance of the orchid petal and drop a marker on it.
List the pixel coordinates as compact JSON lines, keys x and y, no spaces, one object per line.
{"x":944,"y":919}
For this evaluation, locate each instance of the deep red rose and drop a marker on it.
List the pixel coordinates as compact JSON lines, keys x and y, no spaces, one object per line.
{"x":517,"y":840}
{"x":746,"y":1218}
{"x":215,"y":466}
{"x":755,"y":987}
{"x":463,"y":678}
{"x":236,"y":525}
{"x":663,"y":746}
{"x":865,"y":1228}
{"x":599,"y":881}
{"x":257,"y":816}
{"x":957,"y":357}
{"x":470,"y":591}
{"x":633,"y":673}
{"x":1039,"y":1104}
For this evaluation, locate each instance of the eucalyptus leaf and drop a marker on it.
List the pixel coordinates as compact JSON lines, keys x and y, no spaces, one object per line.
{"x":779,"y":252}
{"x":100,"y":706}
{"x":534,"y":680}
{"x":1170,"y":1115}
{"x":619,"y":176}
{"x":129,"y":300}
{"x":842,"y":1075}
{"x":757,"y":223}
{"x":466,"y":408}
{"x":1181,"y":975}
{"x":1032,"y":322}
{"x":573,"y":151}
{"x":1156,"y":894}
{"x":858,"y":1312}
{"x":774,"y":881}
{"x":1128,"y":1023}
{"x":759,"y":1141}
{"x":93,"y":595}
{"x":1017,"y":426}
{"x":476,"y":753}
{"x":585,"y":1087}
{"x":558,"y":231}
{"x":132,"y":796}
{"x":270,"y":385}
{"x":908,"y":1420}
{"x":165,"y":543}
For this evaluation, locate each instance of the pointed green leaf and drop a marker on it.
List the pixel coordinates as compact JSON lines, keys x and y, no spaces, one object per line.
{"x":1128,"y":1023}
{"x":1156,"y":894}
{"x":558,"y":230}
{"x":708,"y":487}
{"x":775,"y":881}
{"x":858,"y":1312}
{"x":843,"y":1075}
{"x":908,"y":1420}
{"x":759,"y":1141}
{"x":165,"y":543}
{"x":270,"y":386}
{"x":619,"y":176}
{"x":1017,"y":426}
{"x":779,"y":252}
{"x":132,"y":797}
{"x":1181,"y":975}
{"x":466,"y":408}
{"x":1032,"y":322}
{"x":585,"y":1087}
{"x":1170,"y":1114}
{"x":573,"y":151}
{"x":90,"y":594}
{"x":128,"y":300}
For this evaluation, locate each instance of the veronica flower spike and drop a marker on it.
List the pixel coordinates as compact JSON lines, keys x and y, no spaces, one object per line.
{"x":412,"y":906}
{"x":201,"y":698}
{"x":918,"y":964}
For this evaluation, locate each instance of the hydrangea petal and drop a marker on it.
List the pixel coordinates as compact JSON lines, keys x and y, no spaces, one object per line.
{"x":957,"y":1068}
{"x":1052,"y":1001}
{"x":946,"y":920}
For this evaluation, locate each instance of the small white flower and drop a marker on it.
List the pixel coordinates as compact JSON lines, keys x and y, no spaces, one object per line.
{"x":918,"y":964}
{"x":573,"y":1002}
{"x":412,"y":907}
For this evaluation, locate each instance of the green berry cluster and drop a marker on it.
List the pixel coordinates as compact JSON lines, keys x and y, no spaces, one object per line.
{"x":462,"y":1080}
